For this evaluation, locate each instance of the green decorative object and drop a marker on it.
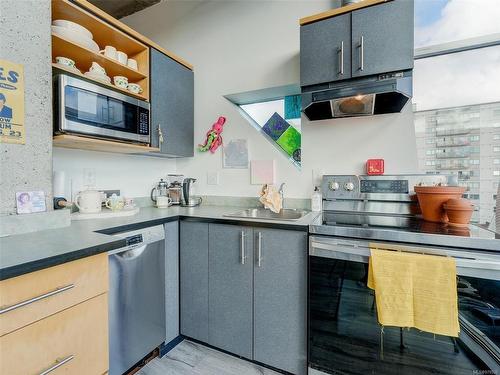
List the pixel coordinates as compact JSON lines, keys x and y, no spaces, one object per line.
{"x":293,"y":104}
{"x":289,"y":141}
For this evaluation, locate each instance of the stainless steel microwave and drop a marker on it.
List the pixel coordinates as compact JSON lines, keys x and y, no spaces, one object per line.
{"x":89,"y":109}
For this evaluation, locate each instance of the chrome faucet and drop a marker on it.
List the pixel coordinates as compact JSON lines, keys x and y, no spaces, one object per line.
{"x":282,"y":194}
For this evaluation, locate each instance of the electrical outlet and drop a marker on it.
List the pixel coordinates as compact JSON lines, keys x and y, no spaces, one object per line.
{"x":213,"y":178}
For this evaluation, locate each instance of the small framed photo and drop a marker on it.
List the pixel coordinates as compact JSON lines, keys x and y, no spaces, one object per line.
{"x":30,"y":201}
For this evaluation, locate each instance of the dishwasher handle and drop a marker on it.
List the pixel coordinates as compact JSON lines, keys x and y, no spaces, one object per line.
{"x":130,"y":254}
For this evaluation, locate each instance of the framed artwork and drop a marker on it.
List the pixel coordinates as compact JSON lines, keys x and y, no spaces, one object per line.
{"x":235,"y":154}
{"x":28,"y":202}
{"x":262,"y":172}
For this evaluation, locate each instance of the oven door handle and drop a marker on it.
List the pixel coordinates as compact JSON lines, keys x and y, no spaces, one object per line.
{"x":359,"y":251}
{"x":355,"y":252}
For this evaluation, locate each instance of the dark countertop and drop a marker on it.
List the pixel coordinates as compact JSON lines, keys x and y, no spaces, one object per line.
{"x":20,"y":254}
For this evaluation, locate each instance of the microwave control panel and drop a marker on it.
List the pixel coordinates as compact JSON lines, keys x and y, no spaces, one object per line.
{"x":143,"y":121}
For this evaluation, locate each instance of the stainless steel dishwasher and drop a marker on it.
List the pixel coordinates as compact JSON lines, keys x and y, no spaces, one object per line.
{"x":136,"y":297}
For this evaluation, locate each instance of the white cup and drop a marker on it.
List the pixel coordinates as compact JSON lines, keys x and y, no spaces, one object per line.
{"x":96,"y":68}
{"x":162,"y":202}
{"x":120,"y":81}
{"x":109,"y":51}
{"x":89,"y":201}
{"x":121,"y":57}
{"x":131,"y":63}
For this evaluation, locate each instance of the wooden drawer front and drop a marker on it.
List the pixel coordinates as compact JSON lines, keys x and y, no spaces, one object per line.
{"x":50,"y":290}
{"x":77,"y":336}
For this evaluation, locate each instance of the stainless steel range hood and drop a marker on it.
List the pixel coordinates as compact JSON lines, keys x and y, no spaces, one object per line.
{"x":385,"y":93}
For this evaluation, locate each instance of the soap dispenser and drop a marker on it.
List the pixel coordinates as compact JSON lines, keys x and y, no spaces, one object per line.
{"x":316,"y":200}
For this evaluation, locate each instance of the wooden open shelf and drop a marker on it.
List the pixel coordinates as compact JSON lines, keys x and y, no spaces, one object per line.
{"x":93,"y":144}
{"x":84,"y":57}
{"x":104,"y":35}
{"x":108,"y":85}
{"x":120,"y":25}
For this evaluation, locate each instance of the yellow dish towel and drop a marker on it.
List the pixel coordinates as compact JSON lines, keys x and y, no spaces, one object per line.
{"x":415,"y":290}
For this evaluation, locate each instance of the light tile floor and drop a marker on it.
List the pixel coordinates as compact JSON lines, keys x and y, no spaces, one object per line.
{"x":189,"y":358}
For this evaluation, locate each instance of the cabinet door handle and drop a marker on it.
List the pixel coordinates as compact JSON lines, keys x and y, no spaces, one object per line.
{"x":259,"y":249}
{"x":59,"y":363}
{"x":35,"y":299}
{"x":160,"y":135}
{"x":341,"y":57}
{"x":242,"y":247}
{"x":362,"y":53}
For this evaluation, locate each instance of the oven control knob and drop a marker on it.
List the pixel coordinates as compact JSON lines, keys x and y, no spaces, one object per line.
{"x":349,"y":186}
{"x":333,"y":185}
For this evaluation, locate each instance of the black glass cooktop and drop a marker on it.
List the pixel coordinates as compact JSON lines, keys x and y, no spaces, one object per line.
{"x":394,"y":222}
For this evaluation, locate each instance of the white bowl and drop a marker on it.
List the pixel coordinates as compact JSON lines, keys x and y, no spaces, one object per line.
{"x":100,"y":77}
{"x":76,"y":37}
{"x":73,"y":26}
{"x":72,"y":68}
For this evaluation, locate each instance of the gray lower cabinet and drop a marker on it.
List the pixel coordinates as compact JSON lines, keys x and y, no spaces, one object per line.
{"x":230,"y":274}
{"x":172,"y":106}
{"x":172,"y":280}
{"x":382,"y":38}
{"x":244,"y":290}
{"x":280,"y":299}
{"x":194,"y":280}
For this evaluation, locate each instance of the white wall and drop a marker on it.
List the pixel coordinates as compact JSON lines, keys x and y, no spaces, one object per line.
{"x":239,"y":46}
{"x":134,"y":175}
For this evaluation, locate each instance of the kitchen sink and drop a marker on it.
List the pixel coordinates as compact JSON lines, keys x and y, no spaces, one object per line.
{"x":262,"y":213}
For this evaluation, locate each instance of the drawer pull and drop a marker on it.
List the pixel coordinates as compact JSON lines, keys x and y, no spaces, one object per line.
{"x":34,"y":299}
{"x":59,"y":363}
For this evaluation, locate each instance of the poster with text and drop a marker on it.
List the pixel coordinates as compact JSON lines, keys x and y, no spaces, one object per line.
{"x":11,"y":102}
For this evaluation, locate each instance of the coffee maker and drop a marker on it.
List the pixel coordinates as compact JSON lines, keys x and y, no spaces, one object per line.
{"x":175,"y":187}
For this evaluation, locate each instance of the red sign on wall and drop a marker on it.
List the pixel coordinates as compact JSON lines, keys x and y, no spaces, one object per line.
{"x":375,"y":166}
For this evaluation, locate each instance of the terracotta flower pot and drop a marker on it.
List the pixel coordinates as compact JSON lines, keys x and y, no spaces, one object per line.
{"x":432,"y":198}
{"x":459,"y":212}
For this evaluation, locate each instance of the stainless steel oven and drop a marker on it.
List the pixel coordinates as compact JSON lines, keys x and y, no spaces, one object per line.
{"x":344,"y":334}
{"x":89,"y":109}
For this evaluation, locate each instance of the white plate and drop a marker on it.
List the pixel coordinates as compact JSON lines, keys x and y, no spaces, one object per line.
{"x":73,"y":26}
{"x":100,"y":77}
{"x":76,"y":37}
{"x":72,"y":68}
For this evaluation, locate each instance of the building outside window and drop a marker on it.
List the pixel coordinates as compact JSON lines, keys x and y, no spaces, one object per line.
{"x":456,"y":99}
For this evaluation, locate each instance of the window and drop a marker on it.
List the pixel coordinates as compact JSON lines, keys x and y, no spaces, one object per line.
{"x":458,"y":106}
{"x":279,"y":121}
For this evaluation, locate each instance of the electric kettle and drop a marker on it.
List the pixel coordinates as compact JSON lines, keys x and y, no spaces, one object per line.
{"x":160,"y":190}
{"x":187,"y":199}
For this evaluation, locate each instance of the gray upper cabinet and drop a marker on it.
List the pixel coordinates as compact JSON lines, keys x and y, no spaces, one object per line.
{"x":280,"y":299}
{"x":172,"y":106}
{"x":230,"y":288}
{"x":194,"y":280}
{"x":382,"y":38}
{"x":325,"y":50}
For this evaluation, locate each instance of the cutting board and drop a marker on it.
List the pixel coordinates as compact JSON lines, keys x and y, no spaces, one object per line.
{"x":106,"y":213}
